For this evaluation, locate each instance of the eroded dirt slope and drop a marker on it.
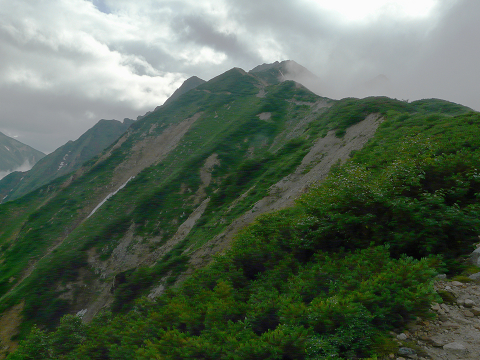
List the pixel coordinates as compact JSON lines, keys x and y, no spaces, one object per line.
{"x":314,"y":168}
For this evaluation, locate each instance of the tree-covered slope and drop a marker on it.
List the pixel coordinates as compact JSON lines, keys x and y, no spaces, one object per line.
{"x":64,"y":160}
{"x":159,"y":202}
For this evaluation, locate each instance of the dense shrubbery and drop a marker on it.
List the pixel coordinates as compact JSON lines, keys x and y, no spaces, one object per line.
{"x":325,"y":279}
{"x":333,"y":305}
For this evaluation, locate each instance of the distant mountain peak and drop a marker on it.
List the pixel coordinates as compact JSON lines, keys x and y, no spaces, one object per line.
{"x":189,"y":84}
{"x":284,"y":70}
{"x":63,"y":160}
{"x":14,"y":155}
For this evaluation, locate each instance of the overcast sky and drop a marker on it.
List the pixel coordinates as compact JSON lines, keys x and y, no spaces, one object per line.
{"x":65,"y":64}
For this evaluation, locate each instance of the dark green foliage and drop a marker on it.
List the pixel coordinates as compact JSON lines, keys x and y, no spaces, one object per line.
{"x":42,"y":302}
{"x":439,"y":106}
{"x":216,"y":314}
{"x":326,"y":278}
{"x":447,"y":297}
{"x":130,"y":285}
{"x":347,"y":112}
{"x":109,"y":234}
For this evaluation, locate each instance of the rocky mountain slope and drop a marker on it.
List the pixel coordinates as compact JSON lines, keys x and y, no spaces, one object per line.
{"x":162,"y":200}
{"x":453,"y":329}
{"x":64,"y":160}
{"x":14,"y":155}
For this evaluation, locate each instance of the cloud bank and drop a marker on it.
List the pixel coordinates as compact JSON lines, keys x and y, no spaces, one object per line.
{"x":67,"y":64}
{"x":24,"y":167}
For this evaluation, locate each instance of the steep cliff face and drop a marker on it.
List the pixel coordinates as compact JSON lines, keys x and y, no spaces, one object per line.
{"x":172,"y":191}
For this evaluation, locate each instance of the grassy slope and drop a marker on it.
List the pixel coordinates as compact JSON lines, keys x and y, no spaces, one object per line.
{"x":65,"y":159}
{"x":54,"y":213}
{"x":326,"y":278}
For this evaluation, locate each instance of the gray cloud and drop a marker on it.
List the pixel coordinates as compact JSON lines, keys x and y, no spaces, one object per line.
{"x":67,"y":64}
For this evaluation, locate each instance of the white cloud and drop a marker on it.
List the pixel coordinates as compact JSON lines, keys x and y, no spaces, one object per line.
{"x":368,"y":10}
{"x":205,"y":55}
{"x":24,"y":167}
{"x":66,"y":64}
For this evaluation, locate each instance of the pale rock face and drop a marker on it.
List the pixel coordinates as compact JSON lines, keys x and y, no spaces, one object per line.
{"x":455,"y":348}
{"x":475,"y":276}
{"x":405,"y":351}
{"x":475,"y":257}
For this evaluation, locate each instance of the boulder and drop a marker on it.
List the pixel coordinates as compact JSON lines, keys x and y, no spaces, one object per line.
{"x":405,"y":351}
{"x":436,"y":341}
{"x":475,"y":310}
{"x":475,"y":276}
{"x":455,"y":348}
{"x":475,"y":257}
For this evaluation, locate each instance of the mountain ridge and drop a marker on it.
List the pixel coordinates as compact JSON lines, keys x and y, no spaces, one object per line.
{"x":63,"y":160}
{"x":189,"y":84}
{"x":140,"y":218}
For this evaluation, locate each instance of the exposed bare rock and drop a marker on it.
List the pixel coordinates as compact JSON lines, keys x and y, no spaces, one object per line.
{"x":9,"y":326}
{"x":314,"y":168}
{"x":455,"y":348}
{"x":469,"y":303}
{"x":456,"y":333}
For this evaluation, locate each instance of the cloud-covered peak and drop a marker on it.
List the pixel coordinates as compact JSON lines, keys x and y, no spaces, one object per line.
{"x":66,"y":64}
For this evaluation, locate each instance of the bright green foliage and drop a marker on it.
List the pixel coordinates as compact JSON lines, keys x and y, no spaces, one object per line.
{"x":415,"y":188}
{"x":41,"y":345}
{"x":326,"y":278}
{"x":252,"y":155}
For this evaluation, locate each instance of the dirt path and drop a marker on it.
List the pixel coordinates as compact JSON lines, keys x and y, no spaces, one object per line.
{"x":454,"y":334}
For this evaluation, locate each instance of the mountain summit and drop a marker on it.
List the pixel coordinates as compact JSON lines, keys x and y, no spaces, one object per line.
{"x":189,"y":84}
{"x":285,"y":70}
